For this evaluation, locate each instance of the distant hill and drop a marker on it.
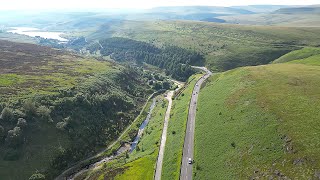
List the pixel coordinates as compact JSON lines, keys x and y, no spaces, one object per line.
{"x":201,"y":9}
{"x":299,"y":10}
{"x":308,"y":16}
{"x":261,"y":8}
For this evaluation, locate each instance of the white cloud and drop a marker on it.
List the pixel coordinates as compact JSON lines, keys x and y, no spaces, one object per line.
{"x":63,"y":4}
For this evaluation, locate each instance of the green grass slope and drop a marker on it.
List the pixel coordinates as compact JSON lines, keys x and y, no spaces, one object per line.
{"x":312,"y":60}
{"x":298,"y":54}
{"x":259,"y":122}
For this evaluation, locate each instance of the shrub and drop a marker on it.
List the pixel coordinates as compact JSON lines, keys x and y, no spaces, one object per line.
{"x":18,"y":113}
{"x":12,"y":154}
{"x":173,"y":132}
{"x":62,"y":125}
{"x":37,"y":176}
{"x":30,"y":108}
{"x":2,"y":132}
{"x":14,"y":137}
{"x":233,"y":144}
{"x":166,"y":85}
{"x":44,"y":113}
{"x":21,"y":123}
{"x":6,"y":114}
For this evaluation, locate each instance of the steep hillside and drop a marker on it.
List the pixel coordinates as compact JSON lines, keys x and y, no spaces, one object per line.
{"x":260,"y":122}
{"x":57,"y":107}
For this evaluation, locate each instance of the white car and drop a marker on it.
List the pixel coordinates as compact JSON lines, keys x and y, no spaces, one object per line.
{"x":189,"y":161}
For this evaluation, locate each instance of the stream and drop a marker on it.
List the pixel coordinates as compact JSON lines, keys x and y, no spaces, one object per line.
{"x":142,"y":127}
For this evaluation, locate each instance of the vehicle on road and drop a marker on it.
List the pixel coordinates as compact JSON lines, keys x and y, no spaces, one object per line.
{"x":189,"y":161}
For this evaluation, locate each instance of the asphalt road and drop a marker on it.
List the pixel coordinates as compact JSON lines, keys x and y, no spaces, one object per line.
{"x":186,"y":168}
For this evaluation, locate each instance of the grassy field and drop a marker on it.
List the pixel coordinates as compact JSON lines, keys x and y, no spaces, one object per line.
{"x":176,"y":132}
{"x":259,"y":122}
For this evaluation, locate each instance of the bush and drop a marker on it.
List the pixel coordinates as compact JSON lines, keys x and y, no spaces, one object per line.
{"x":7,"y":114}
{"x":233,"y":144}
{"x":44,"y":113}
{"x":21,"y":123}
{"x":37,"y":176}
{"x":2,"y":133}
{"x":166,"y":85}
{"x":61,"y":125}
{"x":14,"y":137}
{"x":12,"y":155}
{"x":30,"y":108}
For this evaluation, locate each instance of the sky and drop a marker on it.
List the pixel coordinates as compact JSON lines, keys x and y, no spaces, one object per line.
{"x":136,"y":4}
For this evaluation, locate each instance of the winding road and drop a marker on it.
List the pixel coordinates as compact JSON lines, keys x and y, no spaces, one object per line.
{"x":186,"y":168}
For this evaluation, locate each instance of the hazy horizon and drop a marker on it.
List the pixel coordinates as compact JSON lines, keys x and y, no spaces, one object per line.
{"x":138,"y":4}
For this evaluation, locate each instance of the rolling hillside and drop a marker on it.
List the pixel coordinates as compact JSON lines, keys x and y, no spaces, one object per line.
{"x":299,"y":10}
{"x":57,"y":107}
{"x":224,"y":46}
{"x":260,"y":122}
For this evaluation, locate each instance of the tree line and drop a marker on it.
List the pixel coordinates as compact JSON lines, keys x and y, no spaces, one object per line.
{"x":175,"y":60}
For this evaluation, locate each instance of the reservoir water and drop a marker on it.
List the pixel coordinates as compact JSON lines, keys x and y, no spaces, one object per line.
{"x":33,"y":32}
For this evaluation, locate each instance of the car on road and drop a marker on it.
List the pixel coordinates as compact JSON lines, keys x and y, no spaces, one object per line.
{"x":189,"y":161}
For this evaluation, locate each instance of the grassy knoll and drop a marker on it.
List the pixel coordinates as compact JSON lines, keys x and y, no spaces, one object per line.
{"x":176,"y":132}
{"x":140,"y":164}
{"x":259,"y":122}
{"x":225,"y":46}
{"x":298,"y":54}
